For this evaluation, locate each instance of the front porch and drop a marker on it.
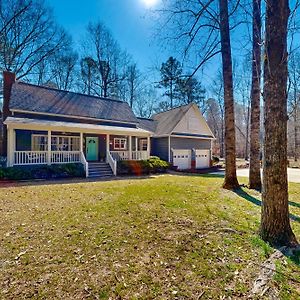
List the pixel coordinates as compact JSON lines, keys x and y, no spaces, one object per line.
{"x":33,"y":145}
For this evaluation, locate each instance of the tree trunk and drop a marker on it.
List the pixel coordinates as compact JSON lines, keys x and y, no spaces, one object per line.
{"x":275,"y":223}
{"x":230,"y":181}
{"x":295,"y":135}
{"x":247,"y":133}
{"x":254,"y":173}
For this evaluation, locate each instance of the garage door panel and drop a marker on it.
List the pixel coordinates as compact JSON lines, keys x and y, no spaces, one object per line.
{"x":182,"y":159}
{"x":202,"y":159}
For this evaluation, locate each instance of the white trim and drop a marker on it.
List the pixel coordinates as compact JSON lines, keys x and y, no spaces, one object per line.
{"x":49,"y":147}
{"x":81,"y":142}
{"x":125,"y":143}
{"x":10,"y":146}
{"x":169,"y":149}
{"x":148,"y":146}
{"x":183,"y":136}
{"x":54,"y":136}
{"x":107,"y":146}
{"x":192,"y":137}
{"x":143,"y":141}
{"x":69,"y":116}
{"x":45,"y":125}
{"x":130,"y":147}
{"x":200,"y":116}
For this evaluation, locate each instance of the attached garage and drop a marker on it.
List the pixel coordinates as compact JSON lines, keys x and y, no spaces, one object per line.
{"x":202,"y":158}
{"x":182,"y":158}
{"x":178,"y":134}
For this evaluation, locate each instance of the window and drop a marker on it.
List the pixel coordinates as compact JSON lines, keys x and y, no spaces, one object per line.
{"x":65,"y":143}
{"x":39,"y":142}
{"x":58,"y":143}
{"x":120,"y":143}
{"x":143,"y":145}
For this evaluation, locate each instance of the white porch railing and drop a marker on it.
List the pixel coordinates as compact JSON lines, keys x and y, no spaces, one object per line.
{"x":85,"y":164}
{"x":41,"y":157}
{"x":62,"y":157}
{"x":140,"y":155}
{"x":120,"y":155}
{"x":125,"y":155}
{"x":30,"y":157}
{"x":112,"y":162}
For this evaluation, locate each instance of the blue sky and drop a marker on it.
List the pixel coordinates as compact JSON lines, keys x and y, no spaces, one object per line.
{"x":133,"y":25}
{"x":131,"y":22}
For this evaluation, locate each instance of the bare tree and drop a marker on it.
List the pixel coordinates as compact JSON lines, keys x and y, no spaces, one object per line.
{"x":275,"y":223}
{"x":242,"y":87}
{"x":294,"y":103}
{"x":145,"y":103}
{"x":63,"y":69}
{"x":111,"y":62}
{"x":89,"y":74}
{"x":203,"y":27}
{"x":218,"y":108}
{"x":133,"y":83}
{"x":31,"y":36}
{"x":230,"y":181}
{"x":254,"y":172}
{"x":6,"y":22}
{"x":215,"y":119}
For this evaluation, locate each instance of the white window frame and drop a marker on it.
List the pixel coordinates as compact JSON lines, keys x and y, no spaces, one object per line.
{"x":69,"y":144}
{"x":120,"y":141}
{"x":33,"y":145}
{"x":143,"y":142}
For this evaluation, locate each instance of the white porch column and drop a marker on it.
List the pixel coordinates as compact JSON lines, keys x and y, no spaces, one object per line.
{"x":148,"y":146}
{"x":49,"y":148}
{"x":11,"y":146}
{"x":81,"y":142}
{"x":130,"y":146}
{"x":169,"y":149}
{"x":107,"y":145}
{"x":136,"y":144}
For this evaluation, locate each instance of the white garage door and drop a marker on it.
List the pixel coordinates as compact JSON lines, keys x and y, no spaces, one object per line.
{"x":182,"y":159}
{"x":202,"y":159}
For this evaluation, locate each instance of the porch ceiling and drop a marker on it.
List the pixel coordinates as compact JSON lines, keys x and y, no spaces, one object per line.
{"x":34,"y":124}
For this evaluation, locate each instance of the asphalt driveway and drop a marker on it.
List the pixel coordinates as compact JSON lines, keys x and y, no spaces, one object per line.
{"x":293,"y":174}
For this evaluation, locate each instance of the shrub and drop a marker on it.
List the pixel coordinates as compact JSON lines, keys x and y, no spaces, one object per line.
{"x":215,"y":160}
{"x":42,"y":172}
{"x":2,"y":161}
{"x":139,"y":167}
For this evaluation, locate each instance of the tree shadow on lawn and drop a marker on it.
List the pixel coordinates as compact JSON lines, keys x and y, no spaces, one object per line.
{"x":205,"y":175}
{"x":240,"y":192}
{"x":293,"y":254}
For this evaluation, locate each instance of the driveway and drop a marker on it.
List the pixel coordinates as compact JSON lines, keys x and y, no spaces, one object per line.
{"x":293,"y":174}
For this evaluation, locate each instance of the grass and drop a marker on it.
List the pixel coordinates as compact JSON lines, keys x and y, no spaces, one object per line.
{"x":165,"y":237}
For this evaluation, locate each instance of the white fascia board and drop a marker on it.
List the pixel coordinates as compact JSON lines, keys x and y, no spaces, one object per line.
{"x":34,"y":124}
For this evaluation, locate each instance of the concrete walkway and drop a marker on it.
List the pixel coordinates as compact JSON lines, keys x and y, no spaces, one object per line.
{"x":293,"y":174}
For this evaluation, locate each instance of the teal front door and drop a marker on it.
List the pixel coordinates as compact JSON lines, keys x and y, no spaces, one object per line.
{"x":91,"y":148}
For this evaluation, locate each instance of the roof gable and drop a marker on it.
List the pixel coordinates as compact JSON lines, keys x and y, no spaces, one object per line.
{"x":39,"y":99}
{"x":193,"y":123}
{"x":167,"y":121}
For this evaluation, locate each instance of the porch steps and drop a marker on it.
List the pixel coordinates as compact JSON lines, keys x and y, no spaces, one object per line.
{"x":99,"y":170}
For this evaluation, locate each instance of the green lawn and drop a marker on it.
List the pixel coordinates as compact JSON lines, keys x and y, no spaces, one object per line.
{"x":164,"y":237}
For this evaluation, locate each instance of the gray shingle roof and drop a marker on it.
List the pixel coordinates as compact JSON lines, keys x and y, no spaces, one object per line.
{"x":163,"y":123}
{"x":147,"y":124}
{"x":166,"y":121}
{"x":41,"y":99}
